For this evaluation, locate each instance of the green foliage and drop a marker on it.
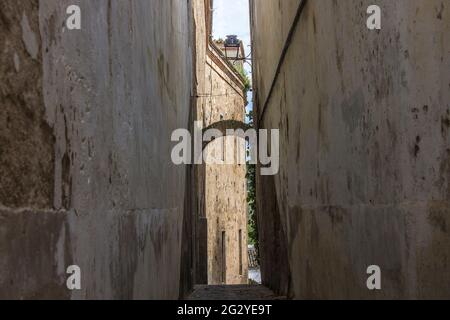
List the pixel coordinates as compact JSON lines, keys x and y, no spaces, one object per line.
{"x":251,"y":198}
{"x":244,"y":75}
{"x":251,"y":201}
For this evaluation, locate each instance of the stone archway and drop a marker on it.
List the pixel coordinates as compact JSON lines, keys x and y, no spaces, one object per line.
{"x":223,"y":126}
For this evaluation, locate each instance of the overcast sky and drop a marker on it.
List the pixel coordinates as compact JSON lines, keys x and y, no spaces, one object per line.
{"x":232,"y":17}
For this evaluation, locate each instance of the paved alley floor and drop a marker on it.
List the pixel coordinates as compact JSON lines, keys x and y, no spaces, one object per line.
{"x":237,"y":292}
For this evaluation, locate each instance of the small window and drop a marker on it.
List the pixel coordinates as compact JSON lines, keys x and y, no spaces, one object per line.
{"x":241,"y":268}
{"x":224,"y":258}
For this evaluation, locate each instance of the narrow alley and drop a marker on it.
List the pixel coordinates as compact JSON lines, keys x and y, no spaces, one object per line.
{"x":224,"y":149}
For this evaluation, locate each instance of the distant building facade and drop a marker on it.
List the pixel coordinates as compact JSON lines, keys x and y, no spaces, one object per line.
{"x":222,"y":214}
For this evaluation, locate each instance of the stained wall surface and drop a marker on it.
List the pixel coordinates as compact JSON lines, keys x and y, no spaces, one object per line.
{"x":365,"y":147}
{"x":85,"y":147}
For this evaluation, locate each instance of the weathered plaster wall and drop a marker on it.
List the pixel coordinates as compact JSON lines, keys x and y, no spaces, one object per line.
{"x":85,"y":147}
{"x":365,"y":147}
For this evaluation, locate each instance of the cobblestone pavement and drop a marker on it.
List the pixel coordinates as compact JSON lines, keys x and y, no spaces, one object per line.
{"x":237,"y":292}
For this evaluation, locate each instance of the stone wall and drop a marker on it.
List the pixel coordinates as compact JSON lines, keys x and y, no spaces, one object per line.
{"x":365,"y":147}
{"x":226,"y":191}
{"x":86,"y":120}
{"x":221,"y":189}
